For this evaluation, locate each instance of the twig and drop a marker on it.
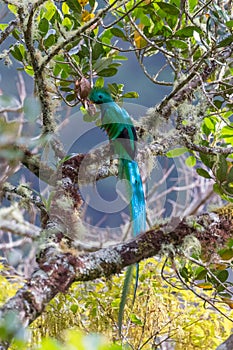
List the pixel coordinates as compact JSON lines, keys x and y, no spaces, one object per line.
{"x":205,"y":299}
{"x":21,"y":229}
{"x":6,"y":32}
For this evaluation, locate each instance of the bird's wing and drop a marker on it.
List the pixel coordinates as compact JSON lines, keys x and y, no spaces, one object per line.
{"x":119,"y":127}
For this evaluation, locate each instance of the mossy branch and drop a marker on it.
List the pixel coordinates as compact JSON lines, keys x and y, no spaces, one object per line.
{"x":194,"y":79}
{"x":58,"y":269}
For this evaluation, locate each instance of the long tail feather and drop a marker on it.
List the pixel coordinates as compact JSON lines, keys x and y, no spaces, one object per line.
{"x":129,"y":170}
{"x":125,"y":292}
{"x":136,"y":283}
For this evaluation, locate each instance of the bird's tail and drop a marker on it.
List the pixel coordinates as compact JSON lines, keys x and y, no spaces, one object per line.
{"x":128,"y":170}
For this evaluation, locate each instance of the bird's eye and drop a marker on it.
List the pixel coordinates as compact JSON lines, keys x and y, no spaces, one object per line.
{"x":100,"y":96}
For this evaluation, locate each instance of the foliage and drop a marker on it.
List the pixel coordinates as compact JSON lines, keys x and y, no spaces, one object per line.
{"x":77,"y":340}
{"x":10,"y":325}
{"x":162,"y":313}
{"x":8,"y":285}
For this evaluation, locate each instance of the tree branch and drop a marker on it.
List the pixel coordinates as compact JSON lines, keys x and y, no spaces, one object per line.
{"x":24,"y":229}
{"x":9,"y":29}
{"x":190,"y":83}
{"x":59,"y":269}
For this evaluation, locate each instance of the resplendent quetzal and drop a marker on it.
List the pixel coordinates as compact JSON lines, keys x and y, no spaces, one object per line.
{"x":122,"y":135}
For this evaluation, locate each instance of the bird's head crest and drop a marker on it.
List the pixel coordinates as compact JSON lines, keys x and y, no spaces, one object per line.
{"x":100,"y":95}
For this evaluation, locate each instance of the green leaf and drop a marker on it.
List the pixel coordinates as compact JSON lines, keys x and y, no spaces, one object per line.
{"x":225,"y":42}
{"x":57,"y":69}
{"x":63,"y":160}
{"x":115,"y":303}
{"x":200,"y":273}
{"x":99,"y":82}
{"x":29,"y":70}
{"x":13,"y":9}
{"x":51,"y":10}
{"x":228,"y":188}
{"x":131,"y":94}
{"x":203,"y":173}
{"x":120,"y":58}
{"x":229,"y":24}
{"x":221,"y":168}
{"x":136,"y":320}
{"x":176,"y":152}
{"x":3,"y":26}
{"x":65,"y":8}
{"x":226,"y":254}
{"x":190,"y":161}
{"x":207,"y":159}
{"x":67,"y":89}
{"x":50,"y":40}
{"x":187,"y":31}
{"x":75,"y":6}
{"x":146,"y":20}
{"x":192,"y":4}
{"x":205,"y":129}
{"x":218,"y":103}
{"x":230,"y":175}
{"x":92,"y":3}
{"x":70,"y":97}
{"x":16,"y":34}
{"x":210,"y":123}
{"x":185,"y":273}
{"x":98,"y":50}
{"x":17,"y":53}
{"x":51,"y":344}
{"x":226,"y":132}
{"x":205,"y":286}
{"x":64,"y":83}
{"x":168,"y":8}
{"x":102,"y":63}
{"x":67,"y":23}
{"x":43,"y":26}
{"x":223,"y":275}
{"x":178,"y":44}
{"x":166,"y":31}
{"x":74,"y":308}
{"x":118,"y":33}
{"x":217,"y":189}
{"x":116,"y":89}
{"x":108,"y":72}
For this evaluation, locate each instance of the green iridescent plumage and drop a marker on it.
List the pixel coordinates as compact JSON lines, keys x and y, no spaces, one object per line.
{"x":121,"y":132}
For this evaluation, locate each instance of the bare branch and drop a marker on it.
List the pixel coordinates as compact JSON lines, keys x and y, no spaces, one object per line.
{"x":24,"y":229}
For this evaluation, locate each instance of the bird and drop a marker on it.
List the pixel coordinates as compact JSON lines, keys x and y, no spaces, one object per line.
{"x":122,"y":136}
